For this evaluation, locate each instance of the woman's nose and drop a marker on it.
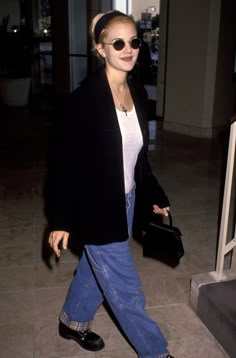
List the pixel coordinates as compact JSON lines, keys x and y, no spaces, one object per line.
{"x":128,"y":47}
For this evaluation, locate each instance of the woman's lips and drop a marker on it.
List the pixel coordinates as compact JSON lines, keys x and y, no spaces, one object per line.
{"x":127,"y":59}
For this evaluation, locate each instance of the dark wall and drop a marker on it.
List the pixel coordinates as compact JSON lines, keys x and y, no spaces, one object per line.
{"x":224,"y":104}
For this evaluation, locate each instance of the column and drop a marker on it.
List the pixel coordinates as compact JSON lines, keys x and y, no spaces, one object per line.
{"x":121,"y":5}
{"x":200,"y":61}
{"x":78,"y":31}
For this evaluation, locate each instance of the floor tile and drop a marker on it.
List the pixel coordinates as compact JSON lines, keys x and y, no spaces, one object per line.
{"x":16,"y":278}
{"x":17,"y":340}
{"x":185,"y":331}
{"x":17,"y":256}
{"x":17,"y":307}
{"x":60,"y":274}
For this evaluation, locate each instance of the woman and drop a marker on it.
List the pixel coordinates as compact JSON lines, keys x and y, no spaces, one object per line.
{"x":100,"y":167}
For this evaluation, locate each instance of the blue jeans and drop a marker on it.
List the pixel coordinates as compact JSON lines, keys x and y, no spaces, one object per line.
{"x":108,"y":272}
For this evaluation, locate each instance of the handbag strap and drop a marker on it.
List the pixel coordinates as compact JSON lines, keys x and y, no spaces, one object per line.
{"x":170,"y":219}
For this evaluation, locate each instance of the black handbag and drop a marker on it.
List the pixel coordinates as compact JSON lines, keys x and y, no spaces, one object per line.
{"x":163,"y":242}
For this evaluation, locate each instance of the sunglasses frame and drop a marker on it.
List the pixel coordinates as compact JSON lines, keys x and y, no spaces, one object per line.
{"x":124,"y":42}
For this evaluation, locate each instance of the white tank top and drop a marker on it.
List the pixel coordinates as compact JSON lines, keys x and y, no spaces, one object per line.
{"x":132,"y":142}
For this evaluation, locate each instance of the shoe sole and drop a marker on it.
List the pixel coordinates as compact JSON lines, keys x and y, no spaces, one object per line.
{"x":70,"y":337}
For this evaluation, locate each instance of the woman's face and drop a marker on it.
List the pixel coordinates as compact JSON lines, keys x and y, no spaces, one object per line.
{"x":125,"y":59}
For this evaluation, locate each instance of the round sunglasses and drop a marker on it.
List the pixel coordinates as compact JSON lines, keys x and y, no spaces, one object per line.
{"x":119,"y":44}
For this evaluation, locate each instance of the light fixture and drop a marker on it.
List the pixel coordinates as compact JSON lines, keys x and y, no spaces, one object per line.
{"x":152,"y":8}
{"x":15,"y":29}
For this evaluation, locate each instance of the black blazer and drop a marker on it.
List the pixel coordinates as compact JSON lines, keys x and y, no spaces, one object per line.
{"x":86,"y":180}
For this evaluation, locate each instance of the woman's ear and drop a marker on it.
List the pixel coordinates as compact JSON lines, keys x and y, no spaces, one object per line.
{"x":100,"y":50}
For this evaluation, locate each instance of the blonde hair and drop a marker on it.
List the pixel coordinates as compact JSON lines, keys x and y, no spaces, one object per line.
{"x":120,"y":19}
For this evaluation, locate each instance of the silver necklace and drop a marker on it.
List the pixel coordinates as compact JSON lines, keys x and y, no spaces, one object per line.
{"x":122,"y":104}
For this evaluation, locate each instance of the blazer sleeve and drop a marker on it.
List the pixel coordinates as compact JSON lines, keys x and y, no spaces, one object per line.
{"x":148,"y":187}
{"x":68,"y":161}
{"x":148,"y":192}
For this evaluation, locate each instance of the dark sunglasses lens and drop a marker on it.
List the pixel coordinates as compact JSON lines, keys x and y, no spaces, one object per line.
{"x":119,"y":45}
{"x":135,"y":43}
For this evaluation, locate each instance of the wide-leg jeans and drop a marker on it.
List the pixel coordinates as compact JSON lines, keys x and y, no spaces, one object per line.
{"x":108,"y":271}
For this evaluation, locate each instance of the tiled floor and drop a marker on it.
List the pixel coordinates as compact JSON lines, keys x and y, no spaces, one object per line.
{"x":32,"y":289}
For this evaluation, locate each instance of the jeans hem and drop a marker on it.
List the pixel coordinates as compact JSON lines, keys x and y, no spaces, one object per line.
{"x":74,"y":325}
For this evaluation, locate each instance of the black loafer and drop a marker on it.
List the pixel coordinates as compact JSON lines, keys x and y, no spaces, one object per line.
{"x":87,"y":339}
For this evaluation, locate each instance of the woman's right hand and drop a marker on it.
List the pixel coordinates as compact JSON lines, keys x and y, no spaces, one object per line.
{"x":54,"y":239}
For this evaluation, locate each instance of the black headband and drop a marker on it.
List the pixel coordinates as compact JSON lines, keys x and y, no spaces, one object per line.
{"x":103,"y":21}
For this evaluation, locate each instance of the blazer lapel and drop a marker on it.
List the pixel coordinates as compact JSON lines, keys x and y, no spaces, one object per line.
{"x":107,"y":106}
{"x":106,"y":103}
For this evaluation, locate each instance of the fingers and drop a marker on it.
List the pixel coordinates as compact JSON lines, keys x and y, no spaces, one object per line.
{"x":165,"y":211}
{"x":65,"y":241}
{"x":54,"y":239}
{"x":161,"y":211}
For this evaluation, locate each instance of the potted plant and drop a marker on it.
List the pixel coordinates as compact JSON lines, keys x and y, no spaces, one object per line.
{"x":15,"y":65}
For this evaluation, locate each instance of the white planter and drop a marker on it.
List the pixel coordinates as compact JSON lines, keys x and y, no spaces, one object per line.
{"x":14,"y":92}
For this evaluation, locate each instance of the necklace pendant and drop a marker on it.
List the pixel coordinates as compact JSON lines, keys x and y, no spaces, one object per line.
{"x":124,"y":109}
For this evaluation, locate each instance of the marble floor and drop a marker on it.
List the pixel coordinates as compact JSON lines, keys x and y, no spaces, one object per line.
{"x":33,"y":284}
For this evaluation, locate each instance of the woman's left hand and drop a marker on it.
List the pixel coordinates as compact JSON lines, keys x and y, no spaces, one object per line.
{"x":163,"y":211}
